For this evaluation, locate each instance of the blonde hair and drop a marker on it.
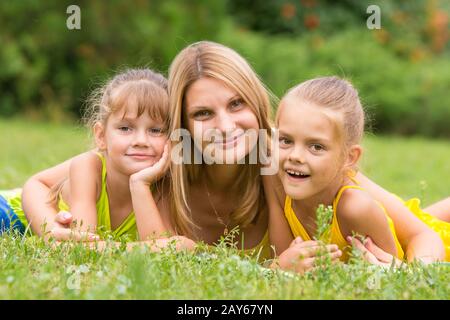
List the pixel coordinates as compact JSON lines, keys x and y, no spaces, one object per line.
{"x":338,"y":96}
{"x":142,"y":89}
{"x":209,"y":59}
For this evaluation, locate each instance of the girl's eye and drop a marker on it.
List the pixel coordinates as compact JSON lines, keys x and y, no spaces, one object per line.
{"x":317,"y":147}
{"x":236,"y":104}
{"x":124,"y":129}
{"x":157,"y":131}
{"x":284,"y":141}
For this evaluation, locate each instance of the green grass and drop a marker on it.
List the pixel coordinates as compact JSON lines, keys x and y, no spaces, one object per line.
{"x":30,"y":269}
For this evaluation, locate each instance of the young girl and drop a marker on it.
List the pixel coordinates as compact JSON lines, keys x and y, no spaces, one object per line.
{"x":129,"y":119}
{"x":321,"y":124}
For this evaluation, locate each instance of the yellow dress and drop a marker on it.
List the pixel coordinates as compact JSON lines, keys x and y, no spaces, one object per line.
{"x":126,"y":231}
{"x":335,"y":235}
{"x":442,"y":228}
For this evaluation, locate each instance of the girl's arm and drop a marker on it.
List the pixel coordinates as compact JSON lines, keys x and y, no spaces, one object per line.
{"x":35,"y":195}
{"x":85,"y":175}
{"x":148,"y":217}
{"x":279,"y":231}
{"x":419,"y":241}
{"x":40,"y":213}
{"x":358,"y":213}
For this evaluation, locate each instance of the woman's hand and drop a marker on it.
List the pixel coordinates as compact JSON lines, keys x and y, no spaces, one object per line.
{"x":151,"y":174}
{"x":61,"y":230}
{"x":374,"y":254}
{"x":302,"y":256}
{"x":156,"y":245}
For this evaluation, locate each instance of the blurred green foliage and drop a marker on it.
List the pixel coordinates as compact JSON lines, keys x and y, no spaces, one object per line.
{"x":402,"y":71}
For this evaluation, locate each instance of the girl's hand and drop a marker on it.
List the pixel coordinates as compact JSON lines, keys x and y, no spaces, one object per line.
{"x":156,"y":171}
{"x":61,"y":230}
{"x":301,"y":256}
{"x":374,"y":254}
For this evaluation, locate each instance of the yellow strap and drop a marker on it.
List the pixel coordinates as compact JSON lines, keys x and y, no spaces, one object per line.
{"x":296,"y":226}
{"x":338,"y":197}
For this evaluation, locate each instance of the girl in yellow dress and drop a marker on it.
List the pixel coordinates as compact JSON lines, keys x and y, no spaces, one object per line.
{"x":321,"y":124}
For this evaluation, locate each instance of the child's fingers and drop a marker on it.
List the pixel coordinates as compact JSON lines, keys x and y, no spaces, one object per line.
{"x":299,"y":265}
{"x":306,"y":244}
{"x":317,"y":245}
{"x":166,"y":148}
{"x":63,"y":234}
{"x":162,"y":164}
{"x":305,"y":265}
{"x":297,"y":240}
{"x":366,"y":254}
{"x":307,"y":252}
{"x":377,"y":251}
{"x":64,"y":217}
{"x":165,"y":157}
{"x":335,"y":256}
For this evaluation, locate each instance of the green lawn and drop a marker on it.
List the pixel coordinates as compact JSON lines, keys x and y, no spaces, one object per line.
{"x":29,"y":269}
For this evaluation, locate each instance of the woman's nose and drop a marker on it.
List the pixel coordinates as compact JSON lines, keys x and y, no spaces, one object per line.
{"x":225,"y":123}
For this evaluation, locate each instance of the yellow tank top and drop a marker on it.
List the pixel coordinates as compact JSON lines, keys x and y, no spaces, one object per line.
{"x":126,"y":230}
{"x":335,"y":235}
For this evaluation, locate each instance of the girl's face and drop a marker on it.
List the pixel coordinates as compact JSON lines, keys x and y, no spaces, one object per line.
{"x":131,"y":143}
{"x":219,"y":120}
{"x":310,"y":150}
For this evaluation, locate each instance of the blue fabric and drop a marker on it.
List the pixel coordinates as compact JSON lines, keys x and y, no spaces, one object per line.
{"x":8,"y":219}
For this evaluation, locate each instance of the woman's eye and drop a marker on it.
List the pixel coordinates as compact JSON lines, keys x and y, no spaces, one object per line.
{"x":202,"y":114}
{"x":236,"y":104}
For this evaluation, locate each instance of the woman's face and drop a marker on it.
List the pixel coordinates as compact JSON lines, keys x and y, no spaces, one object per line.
{"x":222,"y":124}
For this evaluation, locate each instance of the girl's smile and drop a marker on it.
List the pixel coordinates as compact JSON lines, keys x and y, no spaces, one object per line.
{"x":140,"y":156}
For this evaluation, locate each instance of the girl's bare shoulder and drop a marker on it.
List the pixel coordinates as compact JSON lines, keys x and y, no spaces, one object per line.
{"x":88,"y":162}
